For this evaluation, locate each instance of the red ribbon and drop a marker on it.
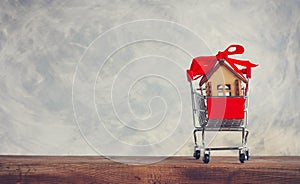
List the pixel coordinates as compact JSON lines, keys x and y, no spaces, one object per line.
{"x":232,"y":50}
{"x":203,"y":64}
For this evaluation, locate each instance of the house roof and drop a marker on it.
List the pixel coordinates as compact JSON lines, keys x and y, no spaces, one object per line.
{"x":209,"y":72}
{"x":203,"y":64}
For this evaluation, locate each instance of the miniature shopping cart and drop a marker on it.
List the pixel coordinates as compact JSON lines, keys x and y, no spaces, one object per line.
{"x":220,"y":101}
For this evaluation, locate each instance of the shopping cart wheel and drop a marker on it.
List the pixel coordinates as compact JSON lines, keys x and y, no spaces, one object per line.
{"x":247,"y":155}
{"x":242,"y":157}
{"x":197,"y":154}
{"x":206,"y":158}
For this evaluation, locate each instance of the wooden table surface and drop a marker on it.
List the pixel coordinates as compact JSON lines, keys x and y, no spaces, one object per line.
{"x":97,"y":169}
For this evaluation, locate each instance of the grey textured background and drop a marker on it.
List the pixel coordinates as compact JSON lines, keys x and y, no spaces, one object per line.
{"x":41,"y":43}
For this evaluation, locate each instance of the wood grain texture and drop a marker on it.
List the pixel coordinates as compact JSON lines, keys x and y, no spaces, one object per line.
{"x":96,"y":169}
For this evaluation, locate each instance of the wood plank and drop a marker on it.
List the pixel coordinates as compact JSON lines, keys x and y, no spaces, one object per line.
{"x":97,"y":169}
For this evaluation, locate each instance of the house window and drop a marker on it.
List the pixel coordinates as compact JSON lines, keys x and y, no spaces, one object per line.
{"x":227,"y":93}
{"x":220,"y":90}
{"x":224,"y":90}
{"x":227,"y":87}
{"x":220,"y":94}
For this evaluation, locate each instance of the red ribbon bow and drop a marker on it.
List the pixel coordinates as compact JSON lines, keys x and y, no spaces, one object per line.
{"x":232,"y":50}
{"x":202,"y":65}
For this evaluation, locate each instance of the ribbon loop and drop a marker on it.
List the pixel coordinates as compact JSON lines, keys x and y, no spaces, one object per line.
{"x":232,"y":50}
{"x":238,"y":49}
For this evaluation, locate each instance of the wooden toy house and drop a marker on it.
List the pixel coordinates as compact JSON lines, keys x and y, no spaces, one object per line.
{"x":222,"y":80}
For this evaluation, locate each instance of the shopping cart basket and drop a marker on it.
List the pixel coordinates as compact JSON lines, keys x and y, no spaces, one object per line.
{"x":220,"y":101}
